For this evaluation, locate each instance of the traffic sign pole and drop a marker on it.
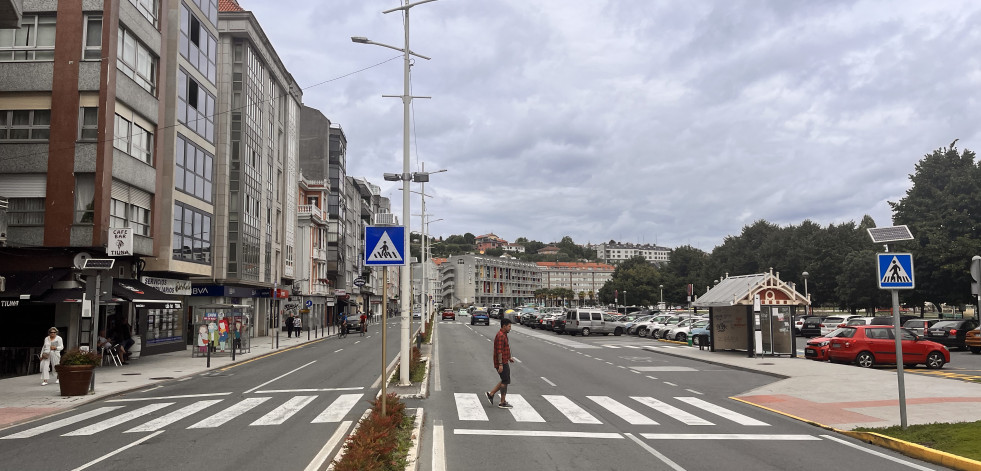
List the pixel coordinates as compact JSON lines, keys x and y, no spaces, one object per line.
{"x":895,"y":272}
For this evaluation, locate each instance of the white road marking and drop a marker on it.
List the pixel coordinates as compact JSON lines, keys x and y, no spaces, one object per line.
{"x":338,"y":350}
{"x":651,"y":377}
{"x":671,"y":411}
{"x":183,"y":412}
{"x":656,"y":453}
{"x":631,"y":416}
{"x":725,"y":436}
{"x":876,"y":453}
{"x":119,"y":419}
{"x":690,"y":390}
{"x":662,"y":368}
{"x":722,"y":412}
{"x":547,"y":381}
{"x":439,"y":453}
{"x":116,"y":452}
{"x":283,"y":375}
{"x":522,"y":410}
{"x":571,"y":410}
{"x":161,"y":398}
{"x":61,"y":423}
{"x":318,"y":461}
{"x":230,"y":413}
{"x":537,"y":433}
{"x":282,"y":413}
{"x":338,"y":409}
{"x":670,"y":384}
{"x":609,"y":363}
{"x":469,"y":407}
{"x":272,"y":391}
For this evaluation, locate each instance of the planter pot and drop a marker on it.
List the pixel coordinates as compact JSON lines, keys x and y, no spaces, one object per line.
{"x":74,"y":379}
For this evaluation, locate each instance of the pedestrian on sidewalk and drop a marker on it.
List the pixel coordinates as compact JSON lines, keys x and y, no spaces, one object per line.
{"x":289,"y":326}
{"x":502,"y":358}
{"x":298,"y":325}
{"x":51,"y":354}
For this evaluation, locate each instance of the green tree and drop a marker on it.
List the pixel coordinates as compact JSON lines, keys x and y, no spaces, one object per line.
{"x":941,"y":210}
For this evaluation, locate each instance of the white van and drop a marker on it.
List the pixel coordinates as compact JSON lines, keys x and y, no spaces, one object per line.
{"x":591,"y":321}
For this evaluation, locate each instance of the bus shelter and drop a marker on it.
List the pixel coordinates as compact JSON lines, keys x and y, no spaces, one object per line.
{"x":753,"y":313}
{"x":221,"y":328}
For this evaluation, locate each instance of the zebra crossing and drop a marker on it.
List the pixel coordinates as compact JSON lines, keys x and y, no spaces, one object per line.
{"x":213,"y":413}
{"x":470,"y":407}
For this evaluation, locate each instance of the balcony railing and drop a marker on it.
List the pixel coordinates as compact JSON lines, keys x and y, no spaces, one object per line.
{"x":311,"y":210}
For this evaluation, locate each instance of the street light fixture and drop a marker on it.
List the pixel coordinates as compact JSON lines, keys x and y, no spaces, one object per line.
{"x":807,"y":296}
{"x":405,"y":279}
{"x":662,"y":296}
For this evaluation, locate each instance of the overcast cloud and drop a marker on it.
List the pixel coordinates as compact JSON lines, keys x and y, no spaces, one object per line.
{"x":668,"y":122}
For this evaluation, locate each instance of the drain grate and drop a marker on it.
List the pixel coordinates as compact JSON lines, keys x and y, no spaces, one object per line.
{"x":132,"y":374}
{"x":163,"y":377}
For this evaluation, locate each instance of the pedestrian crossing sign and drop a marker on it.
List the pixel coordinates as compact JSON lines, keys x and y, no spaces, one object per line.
{"x":895,"y":270}
{"x":384,"y":245}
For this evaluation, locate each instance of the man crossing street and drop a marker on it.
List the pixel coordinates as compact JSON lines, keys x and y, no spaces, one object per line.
{"x":502,"y":359}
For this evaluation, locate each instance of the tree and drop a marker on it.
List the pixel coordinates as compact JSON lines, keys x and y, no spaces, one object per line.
{"x":941,"y":210}
{"x":494,"y":252}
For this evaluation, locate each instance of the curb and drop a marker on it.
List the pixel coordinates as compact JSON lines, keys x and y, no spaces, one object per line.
{"x":912,"y":450}
{"x":412,"y":460}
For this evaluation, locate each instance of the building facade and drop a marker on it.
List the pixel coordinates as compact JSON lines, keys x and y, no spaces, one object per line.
{"x":584,"y":279}
{"x":483,"y":280}
{"x":616,"y":253}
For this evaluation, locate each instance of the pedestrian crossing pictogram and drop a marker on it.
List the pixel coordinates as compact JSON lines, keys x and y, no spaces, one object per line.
{"x":384,"y":245}
{"x":895,"y":271}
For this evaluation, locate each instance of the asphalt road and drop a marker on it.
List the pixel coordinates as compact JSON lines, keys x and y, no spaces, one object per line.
{"x":603,"y":402}
{"x":276,"y":412}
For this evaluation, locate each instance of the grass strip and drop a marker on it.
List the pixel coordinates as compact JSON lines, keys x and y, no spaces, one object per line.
{"x":959,"y":439}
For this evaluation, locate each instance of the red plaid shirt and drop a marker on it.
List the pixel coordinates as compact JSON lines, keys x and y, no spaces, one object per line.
{"x":502,"y":349}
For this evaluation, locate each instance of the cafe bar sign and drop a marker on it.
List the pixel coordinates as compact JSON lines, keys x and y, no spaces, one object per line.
{"x":120,"y":242}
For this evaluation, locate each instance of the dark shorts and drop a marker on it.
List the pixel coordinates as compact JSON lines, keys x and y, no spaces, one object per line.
{"x":505,"y":374}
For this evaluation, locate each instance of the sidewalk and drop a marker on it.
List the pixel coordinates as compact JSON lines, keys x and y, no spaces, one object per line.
{"x":845,"y":396}
{"x":25,"y":399}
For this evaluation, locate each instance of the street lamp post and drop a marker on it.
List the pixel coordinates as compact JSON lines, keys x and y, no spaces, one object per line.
{"x":807,"y":309}
{"x":405,"y":289}
{"x":661,"y":303}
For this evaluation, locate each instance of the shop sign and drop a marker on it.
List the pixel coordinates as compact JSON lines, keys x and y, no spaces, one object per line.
{"x":120,"y":242}
{"x":9,"y":302}
{"x":219,"y":290}
{"x":271,"y":293}
{"x":168,"y":286}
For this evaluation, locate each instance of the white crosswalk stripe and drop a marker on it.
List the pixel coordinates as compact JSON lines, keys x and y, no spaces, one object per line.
{"x":280,"y":414}
{"x":230,"y":413}
{"x":119,"y":419}
{"x":722,"y":412}
{"x":338,"y":409}
{"x":61,"y":423}
{"x":471,"y":407}
{"x":183,"y":412}
{"x":631,"y":416}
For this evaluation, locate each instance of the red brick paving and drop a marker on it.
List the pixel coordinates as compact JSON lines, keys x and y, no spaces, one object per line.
{"x":830,"y":413}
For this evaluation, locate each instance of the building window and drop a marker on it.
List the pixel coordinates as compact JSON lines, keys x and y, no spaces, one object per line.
{"x":192,"y":234}
{"x":148,"y":8}
{"x":84,"y":198}
{"x":132,"y":139}
{"x":122,"y":214}
{"x":195,"y":168}
{"x":25,"y":125}
{"x":33,"y":41}
{"x":88,"y":123}
{"x":196,"y":107}
{"x":93,"y":38}
{"x":25,"y":212}
{"x":136,"y":61}
{"x":198,"y":45}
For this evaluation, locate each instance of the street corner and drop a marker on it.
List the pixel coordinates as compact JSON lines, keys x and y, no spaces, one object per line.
{"x":824,"y":415}
{"x":917,"y":451}
{"x":10,"y":416}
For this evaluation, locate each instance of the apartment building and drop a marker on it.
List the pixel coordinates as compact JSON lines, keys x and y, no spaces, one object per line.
{"x":616,"y":253}
{"x":483,"y":280}
{"x":584,"y":279}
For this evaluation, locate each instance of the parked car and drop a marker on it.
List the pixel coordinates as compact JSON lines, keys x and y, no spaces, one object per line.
{"x":833,"y":322}
{"x":680,"y":333}
{"x":861,"y":321}
{"x":662,"y":333}
{"x":919,"y":326}
{"x":868,"y":345}
{"x":655,"y":324}
{"x":591,"y":321}
{"x":817,"y":347}
{"x":798,"y":323}
{"x":632,"y":324}
{"x":479,"y":316}
{"x":973,"y":340}
{"x":698,"y":334}
{"x":558,"y":325}
{"x":811,"y":327}
{"x":951,"y":333}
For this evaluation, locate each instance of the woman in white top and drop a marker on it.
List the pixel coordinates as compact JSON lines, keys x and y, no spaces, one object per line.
{"x":51,"y":354}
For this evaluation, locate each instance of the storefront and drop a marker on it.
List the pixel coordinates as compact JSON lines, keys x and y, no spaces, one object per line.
{"x":223,"y":329}
{"x":157,"y":319}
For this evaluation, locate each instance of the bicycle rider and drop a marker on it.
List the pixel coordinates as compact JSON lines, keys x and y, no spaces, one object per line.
{"x":342,"y":320}
{"x":364,"y":322}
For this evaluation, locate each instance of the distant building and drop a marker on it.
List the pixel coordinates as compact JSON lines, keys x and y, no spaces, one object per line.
{"x":489,"y":241}
{"x":548,"y":250}
{"x":517,"y":248}
{"x":483,"y":280}
{"x":584,"y":279}
{"x":616,"y":253}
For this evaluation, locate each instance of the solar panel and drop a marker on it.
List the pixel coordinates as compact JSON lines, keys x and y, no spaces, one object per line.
{"x":98,"y":263}
{"x":882,"y":235}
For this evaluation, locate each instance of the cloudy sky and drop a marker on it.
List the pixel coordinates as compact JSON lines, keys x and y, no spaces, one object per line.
{"x":668,"y":122}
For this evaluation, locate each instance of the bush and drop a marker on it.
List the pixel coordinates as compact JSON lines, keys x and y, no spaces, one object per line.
{"x":378,"y":443}
{"x":78,"y":357}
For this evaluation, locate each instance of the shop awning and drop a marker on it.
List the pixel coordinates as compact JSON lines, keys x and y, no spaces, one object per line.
{"x":135,"y":291}
{"x":30,"y":285}
{"x":62,"y":296}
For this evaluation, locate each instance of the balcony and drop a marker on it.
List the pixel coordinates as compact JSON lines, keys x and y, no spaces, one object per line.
{"x":312,"y":211}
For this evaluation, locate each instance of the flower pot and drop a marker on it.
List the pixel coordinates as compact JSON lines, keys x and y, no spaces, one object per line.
{"x":74,"y":379}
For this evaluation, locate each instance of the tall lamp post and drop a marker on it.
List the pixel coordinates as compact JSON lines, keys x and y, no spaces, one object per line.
{"x":662,"y":296}
{"x":405,"y":289}
{"x":807,"y":296}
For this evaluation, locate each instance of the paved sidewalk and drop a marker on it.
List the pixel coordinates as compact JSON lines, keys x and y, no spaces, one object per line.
{"x":25,"y":399}
{"x":844,"y":396}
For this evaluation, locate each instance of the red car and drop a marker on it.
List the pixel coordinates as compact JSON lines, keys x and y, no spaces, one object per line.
{"x":448,"y":313}
{"x":817,"y":347}
{"x":868,"y":345}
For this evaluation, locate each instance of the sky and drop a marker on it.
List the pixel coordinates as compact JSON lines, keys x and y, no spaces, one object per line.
{"x":661,"y":122}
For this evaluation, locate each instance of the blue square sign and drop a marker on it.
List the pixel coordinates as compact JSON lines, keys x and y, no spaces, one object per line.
{"x":384,"y":245}
{"x":895,"y":270}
